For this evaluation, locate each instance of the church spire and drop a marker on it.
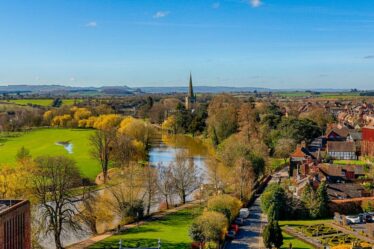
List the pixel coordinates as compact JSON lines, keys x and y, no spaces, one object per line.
{"x":190,"y":89}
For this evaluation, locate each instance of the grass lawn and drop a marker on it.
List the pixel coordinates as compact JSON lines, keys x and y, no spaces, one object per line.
{"x":41,"y":102}
{"x":43,"y":142}
{"x":350,"y":162}
{"x":296,"y":243}
{"x":172,"y":230}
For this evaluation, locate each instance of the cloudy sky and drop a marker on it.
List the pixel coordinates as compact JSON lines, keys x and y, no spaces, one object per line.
{"x":263,"y":43}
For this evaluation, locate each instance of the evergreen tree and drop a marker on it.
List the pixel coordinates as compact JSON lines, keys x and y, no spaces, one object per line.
{"x":323,"y":200}
{"x":267,"y":234}
{"x":273,"y":213}
{"x":23,"y":154}
{"x":277,"y":237}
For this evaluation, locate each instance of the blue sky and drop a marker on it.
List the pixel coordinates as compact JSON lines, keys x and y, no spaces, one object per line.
{"x":263,"y":43}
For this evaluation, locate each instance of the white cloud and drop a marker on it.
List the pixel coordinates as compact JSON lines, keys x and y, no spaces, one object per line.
{"x":216,"y":5}
{"x":255,"y":3}
{"x":91,"y":24}
{"x":161,"y":14}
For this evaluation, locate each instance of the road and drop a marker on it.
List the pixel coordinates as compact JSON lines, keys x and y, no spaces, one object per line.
{"x":250,"y":234}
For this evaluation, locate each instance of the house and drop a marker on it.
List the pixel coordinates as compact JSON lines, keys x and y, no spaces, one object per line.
{"x":15,"y":224}
{"x":341,"y":150}
{"x":340,"y":173}
{"x":367,"y":143}
{"x":345,"y":191}
{"x":337,"y":133}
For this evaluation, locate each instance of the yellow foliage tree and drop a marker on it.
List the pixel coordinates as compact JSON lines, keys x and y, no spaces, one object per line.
{"x":61,"y":121}
{"x":47,"y":117}
{"x":81,"y":113}
{"x":170,"y":124}
{"x":108,"y":121}
{"x":225,"y":204}
{"x":137,"y":129}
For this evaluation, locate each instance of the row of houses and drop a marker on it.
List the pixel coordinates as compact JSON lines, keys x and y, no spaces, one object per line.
{"x":313,"y":163}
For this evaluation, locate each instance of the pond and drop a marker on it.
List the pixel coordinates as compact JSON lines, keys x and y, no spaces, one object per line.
{"x":67,"y":145}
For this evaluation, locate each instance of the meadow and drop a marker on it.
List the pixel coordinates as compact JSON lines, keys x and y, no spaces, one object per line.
{"x":40,"y":102}
{"x":42,"y":142}
{"x":172,"y":230}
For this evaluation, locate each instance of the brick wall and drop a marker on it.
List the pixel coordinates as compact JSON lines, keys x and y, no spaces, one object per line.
{"x":15,"y":227}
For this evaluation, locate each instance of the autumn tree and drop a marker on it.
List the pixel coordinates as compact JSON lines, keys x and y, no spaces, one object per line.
{"x":225,"y":204}
{"x":222,"y":117}
{"x":165,"y":183}
{"x":101,"y":148}
{"x":185,"y":175}
{"x":54,"y":181}
{"x":150,"y":178}
{"x":209,"y":227}
{"x":284,"y":147}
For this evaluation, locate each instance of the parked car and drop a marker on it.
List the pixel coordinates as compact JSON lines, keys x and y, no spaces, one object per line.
{"x":239,"y":221}
{"x":353,"y":219}
{"x":244,"y":213}
{"x":230,"y":235}
{"x":235,"y":227}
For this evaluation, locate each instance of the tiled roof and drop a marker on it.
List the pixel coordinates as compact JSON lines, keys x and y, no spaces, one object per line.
{"x":341,"y":146}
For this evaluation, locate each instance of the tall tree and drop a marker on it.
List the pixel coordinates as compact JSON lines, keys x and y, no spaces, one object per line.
{"x":150,"y":185}
{"x":185,"y":174}
{"x":53,"y":183}
{"x":101,"y":148}
{"x":165,"y":183}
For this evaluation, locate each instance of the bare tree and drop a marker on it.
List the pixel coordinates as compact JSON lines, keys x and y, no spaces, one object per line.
{"x":101,"y":143}
{"x":244,"y":178}
{"x":150,"y":185}
{"x":53,"y":182}
{"x":165,"y":183}
{"x":185,"y":175}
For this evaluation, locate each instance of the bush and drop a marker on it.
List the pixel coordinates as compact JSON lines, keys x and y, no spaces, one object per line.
{"x":209,"y":227}
{"x":225,"y":204}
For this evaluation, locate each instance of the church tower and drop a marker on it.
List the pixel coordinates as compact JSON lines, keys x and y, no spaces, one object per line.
{"x":190,"y":98}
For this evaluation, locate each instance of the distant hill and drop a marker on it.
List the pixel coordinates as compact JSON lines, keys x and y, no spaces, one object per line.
{"x":58,"y":89}
{"x":202,"y":89}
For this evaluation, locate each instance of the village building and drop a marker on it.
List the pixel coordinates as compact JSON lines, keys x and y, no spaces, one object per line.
{"x":190,"y":99}
{"x":15,"y":224}
{"x":341,"y":150}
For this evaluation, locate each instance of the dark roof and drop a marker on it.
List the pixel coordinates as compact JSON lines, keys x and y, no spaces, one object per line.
{"x":341,"y":131}
{"x":337,"y":170}
{"x":344,"y":190}
{"x":341,"y":146}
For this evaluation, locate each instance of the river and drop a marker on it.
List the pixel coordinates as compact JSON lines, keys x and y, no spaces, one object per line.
{"x":163,"y":152}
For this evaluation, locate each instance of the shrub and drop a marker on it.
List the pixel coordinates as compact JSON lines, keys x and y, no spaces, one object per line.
{"x":225,"y":204}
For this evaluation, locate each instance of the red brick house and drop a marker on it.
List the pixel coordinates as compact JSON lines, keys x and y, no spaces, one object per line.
{"x":367,"y":144}
{"x":15,"y":224}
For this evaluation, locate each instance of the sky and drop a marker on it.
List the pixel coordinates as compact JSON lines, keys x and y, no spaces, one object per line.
{"x":260,"y":43}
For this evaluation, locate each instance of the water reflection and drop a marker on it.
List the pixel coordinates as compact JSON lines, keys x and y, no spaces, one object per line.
{"x":67,"y":145}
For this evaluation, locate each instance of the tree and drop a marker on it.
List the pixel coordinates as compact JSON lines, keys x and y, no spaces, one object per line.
{"x":323,"y":200}
{"x":170,"y":124}
{"x":23,"y":154}
{"x":284,"y":147}
{"x":185,"y":175}
{"x":150,"y":185}
{"x":93,"y":210}
{"x":137,"y":129}
{"x":101,"y":148}
{"x":225,"y":204}
{"x":54,"y":181}
{"x":274,"y":196}
{"x":272,"y":235}
{"x":209,"y":227}
{"x":165,"y":183}
{"x":367,"y":206}
{"x":222,"y":117}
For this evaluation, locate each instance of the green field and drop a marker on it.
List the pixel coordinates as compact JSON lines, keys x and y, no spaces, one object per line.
{"x":43,"y":142}
{"x":172,"y":230}
{"x":41,"y":102}
{"x":296,"y":243}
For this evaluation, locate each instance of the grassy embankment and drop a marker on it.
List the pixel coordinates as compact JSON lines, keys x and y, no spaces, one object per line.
{"x":42,"y":142}
{"x":172,"y":230}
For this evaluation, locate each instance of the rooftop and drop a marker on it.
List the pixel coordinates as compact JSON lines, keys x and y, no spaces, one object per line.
{"x":5,"y":204}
